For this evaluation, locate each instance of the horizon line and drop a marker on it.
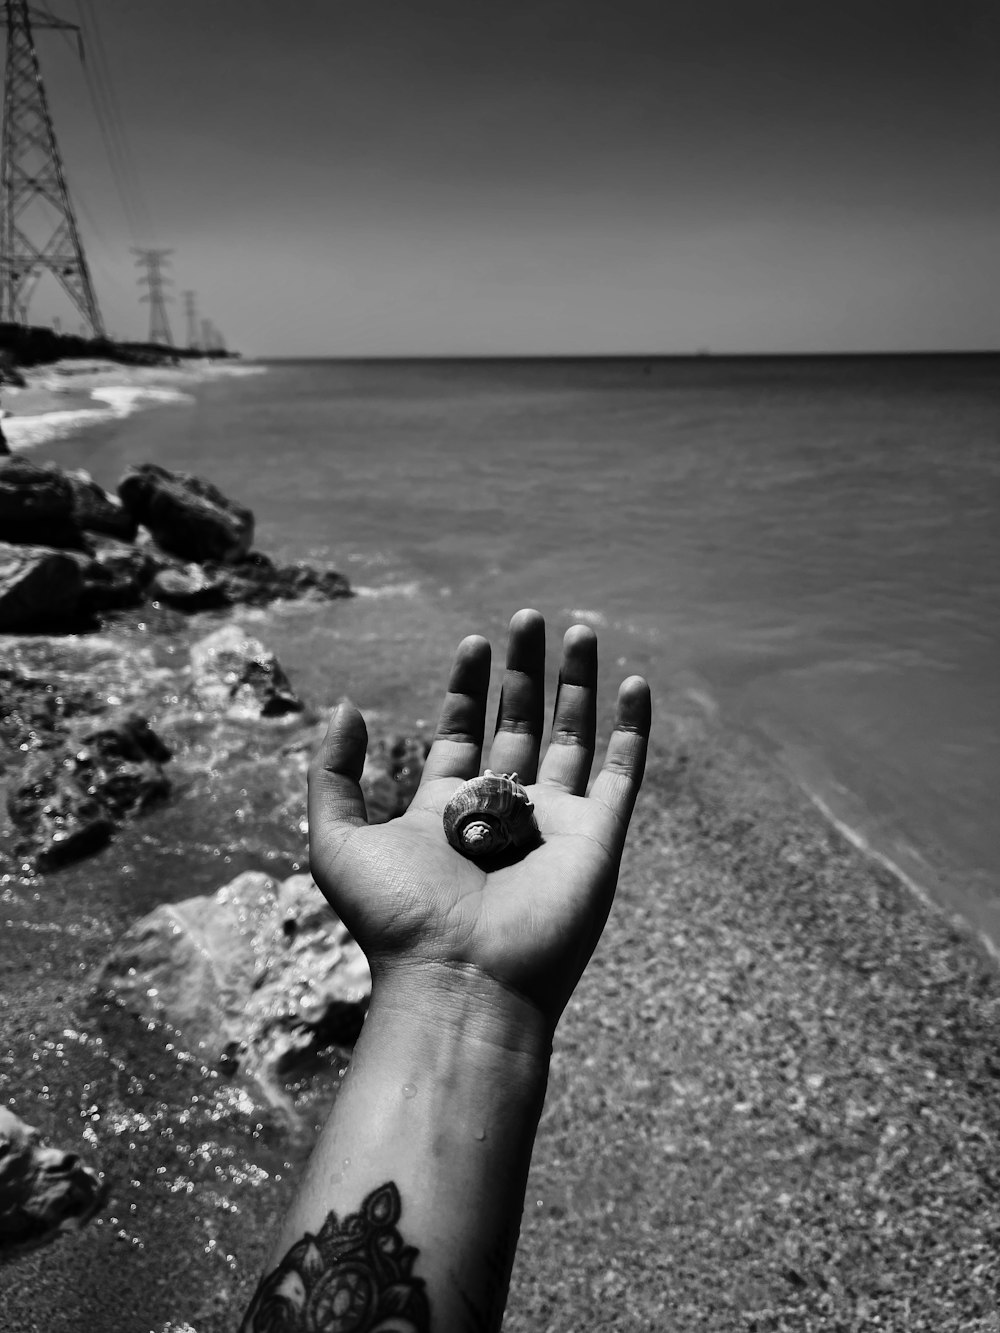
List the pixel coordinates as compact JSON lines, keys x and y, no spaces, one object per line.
{"x":626,"y":356}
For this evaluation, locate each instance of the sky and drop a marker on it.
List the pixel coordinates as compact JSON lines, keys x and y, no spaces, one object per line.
{"x":534,"y":177}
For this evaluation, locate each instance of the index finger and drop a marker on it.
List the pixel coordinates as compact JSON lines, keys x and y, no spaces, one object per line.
{"x":457,"y":747}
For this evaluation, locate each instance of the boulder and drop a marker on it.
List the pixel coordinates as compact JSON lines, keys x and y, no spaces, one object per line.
{"x":94,"y":510}
{"x":237,"y":674}
{"x":256,"y":580}
{"x":40,"y":589}
{"x":36,"y":505}
{"x":69,"y":798}
{"x":44,"y":1193}
{"x":188,"y":517}
{"x":259,"y":976}
{"x":188,"y":589}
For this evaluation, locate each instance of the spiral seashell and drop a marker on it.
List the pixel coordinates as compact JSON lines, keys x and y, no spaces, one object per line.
{"x":489,"y":814}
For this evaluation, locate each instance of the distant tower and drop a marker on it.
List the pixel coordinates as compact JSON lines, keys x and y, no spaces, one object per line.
{"x":33,"y":193}
{"x":155,"y":278}
{"x":191,"y":315}
{"x":207,"y":335}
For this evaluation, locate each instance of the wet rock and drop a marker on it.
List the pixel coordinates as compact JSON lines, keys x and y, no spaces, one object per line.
{"x":391,"y":775}
{"x":95,"y":510}
{"x":58,"y":821}
{"x":236,"y":673}
{"x":256,"y":580}
{"x":44,"y":1193}
{"x":189,"y":589}
{"x":120,"y":763}
{"x":36,"y":506}
{"x":259,"y":976}
{"x":40,"y":589}
{"x":9,"y":372}
{"x":187,"y":516}
{"x":37,"y":714}
{"x":117,"y":576}
{"x":69,"y":798}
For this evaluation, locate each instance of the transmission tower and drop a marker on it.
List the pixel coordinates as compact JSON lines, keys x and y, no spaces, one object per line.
{"x":33,"y":182}
{"x":155,"y":278}
{"x":191,"y":315}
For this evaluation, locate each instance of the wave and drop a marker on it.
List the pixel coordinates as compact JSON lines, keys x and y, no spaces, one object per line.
{"x":120,"y":400}
{"x":410,"y":589}
{"x":586,"y":615}
{"x":124,"y":399}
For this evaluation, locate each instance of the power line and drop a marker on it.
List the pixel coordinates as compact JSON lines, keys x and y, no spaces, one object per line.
{"x":107,"y":112}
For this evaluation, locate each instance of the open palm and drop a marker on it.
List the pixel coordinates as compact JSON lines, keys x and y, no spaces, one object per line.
{"x":411,"y":900}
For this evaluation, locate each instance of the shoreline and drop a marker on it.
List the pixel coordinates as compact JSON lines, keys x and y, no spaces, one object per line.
{"x":63,"y":397}
{"x":930,"y":895}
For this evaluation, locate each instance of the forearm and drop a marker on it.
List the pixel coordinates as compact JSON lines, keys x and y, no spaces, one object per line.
{"x":441,"y":1101}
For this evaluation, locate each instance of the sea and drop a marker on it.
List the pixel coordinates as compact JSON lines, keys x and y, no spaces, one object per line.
{"x":808,"y":546}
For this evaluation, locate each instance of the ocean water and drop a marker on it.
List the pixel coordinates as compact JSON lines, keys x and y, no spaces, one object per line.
{"x":810,"y":546}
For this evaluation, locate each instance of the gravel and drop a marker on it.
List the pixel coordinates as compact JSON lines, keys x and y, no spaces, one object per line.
{"x":775,"y":1096}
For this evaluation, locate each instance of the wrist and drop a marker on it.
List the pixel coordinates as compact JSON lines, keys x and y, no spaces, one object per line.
{"x":495,"y":1026}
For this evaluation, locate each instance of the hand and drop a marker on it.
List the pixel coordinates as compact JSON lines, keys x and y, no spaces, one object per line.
{"x":413,"y":903}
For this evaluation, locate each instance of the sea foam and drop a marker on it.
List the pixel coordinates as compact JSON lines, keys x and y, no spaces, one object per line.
{"x":120,"y":400}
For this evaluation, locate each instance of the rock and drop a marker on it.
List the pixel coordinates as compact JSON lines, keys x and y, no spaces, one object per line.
{"x":44,"y":1193}
{"x":69,"y":798}
{"x":117,"y":576}
{"x":40,"y":589}
{"x":190,"y":589}
{"x":9,"y":372}
{"x":188,"y":517}
{"x":36,"y":714}
{"x":95,"y":510}
{"x":260,"y":975}
{"x":36,"y":506}
{"x":120,"y":763}
{"x":391,"y":775}
{"x":256,"y":580}
{"x":235,"y":672}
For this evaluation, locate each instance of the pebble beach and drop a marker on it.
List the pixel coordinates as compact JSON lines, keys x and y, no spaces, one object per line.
{"x":772,"y":1106}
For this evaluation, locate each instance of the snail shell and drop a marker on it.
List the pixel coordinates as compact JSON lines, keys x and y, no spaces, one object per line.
{"x":489,"y":814}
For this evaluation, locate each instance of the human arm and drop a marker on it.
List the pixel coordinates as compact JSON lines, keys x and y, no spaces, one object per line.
{"x":429,"y":1142}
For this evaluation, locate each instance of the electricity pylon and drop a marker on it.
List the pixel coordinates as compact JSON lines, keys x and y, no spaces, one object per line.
{"x":192,"y":321}
{"x":33,"y":190}
{"x":155,"y":278}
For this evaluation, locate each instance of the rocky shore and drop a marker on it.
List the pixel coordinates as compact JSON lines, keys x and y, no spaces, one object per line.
{"x":260,"y":976}
{"x":774,"y":1097}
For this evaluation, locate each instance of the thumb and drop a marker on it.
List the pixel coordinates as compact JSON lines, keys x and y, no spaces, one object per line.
{"x":336,"y":804}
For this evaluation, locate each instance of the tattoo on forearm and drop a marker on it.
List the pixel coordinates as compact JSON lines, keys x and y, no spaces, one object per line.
{"x":356,"y":1276}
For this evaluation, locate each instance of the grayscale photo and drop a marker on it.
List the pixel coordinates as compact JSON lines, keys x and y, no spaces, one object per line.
{"x":499,"y":659}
